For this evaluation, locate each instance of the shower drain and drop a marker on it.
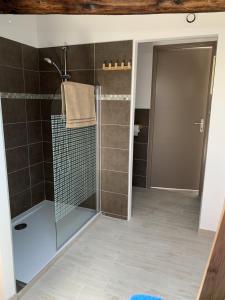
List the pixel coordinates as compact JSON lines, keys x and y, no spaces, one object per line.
{"x":20,"y":226}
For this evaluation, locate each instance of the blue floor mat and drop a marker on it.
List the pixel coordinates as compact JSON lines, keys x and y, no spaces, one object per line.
{"x":144,"y":297}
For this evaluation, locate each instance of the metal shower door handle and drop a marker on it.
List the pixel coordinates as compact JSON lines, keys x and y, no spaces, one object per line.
{"x":201,"y":124}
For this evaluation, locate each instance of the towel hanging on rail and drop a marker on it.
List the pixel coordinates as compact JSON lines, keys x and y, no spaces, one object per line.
{"x":78,"y":104}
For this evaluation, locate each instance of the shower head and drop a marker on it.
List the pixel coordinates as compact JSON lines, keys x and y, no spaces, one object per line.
{"x":51,"y":62}
{"x":64,"y":75}
{"x":48,"y":60}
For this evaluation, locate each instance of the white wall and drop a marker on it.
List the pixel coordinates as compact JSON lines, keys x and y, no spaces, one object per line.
{"x":7,"y":282}
{"x":22,"y":29}
{"x":144,"y":75}
{"x":55,"y":30}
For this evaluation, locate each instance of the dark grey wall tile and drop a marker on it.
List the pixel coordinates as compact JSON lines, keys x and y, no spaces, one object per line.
{"x":48,"y":168}
{"x":32,"y":82}
{"x":54,"y":53}
{"x":139,"y":181}
{"x":114,"y":159}
{"x":10,"y":53}
{"x":89,"y":203}
{"x":30,"y":58}
{"x":47,"y":131}
{"x":142,"y":136}
{"x":47,"y":147}
{"x":86,"y":77}
{"x":141,"y":148}
{"x":114,"y":203}
{"x":17,"y":158}
{"x":36,"y":153}
{"x":33,"y":107}
{"x":18,"y":181}
{"x":115,"y":136}
{"x":142,"y":116}
{"x":115,"y":112}
{"x":50,"y":83}
{"x":118,"y":82}
{"x":56,"y":108}
{"x":114,"y":182}
{"x":114,"y":216}
{"x":80,"y":57}
{"x":13,"y":110}
{"x":11,"y":80}
{"x":37,"y":193}
{"x":36,"y":174}
{"x":139,"y":167}
{"x":15,"y":135}
{"x":112,"y":51}
{"x":140,"y":151}
{"x":34,"y":132}
{"x":46,"y":109}
{"x":49,"y":190}
{"x":50,"y":107}
{"x":20,"y":203}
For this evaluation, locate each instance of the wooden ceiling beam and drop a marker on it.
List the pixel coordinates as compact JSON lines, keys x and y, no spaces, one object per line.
{"x":110,"y":7}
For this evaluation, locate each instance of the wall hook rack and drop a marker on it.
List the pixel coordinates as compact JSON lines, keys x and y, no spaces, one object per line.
{"x":116,"y":66}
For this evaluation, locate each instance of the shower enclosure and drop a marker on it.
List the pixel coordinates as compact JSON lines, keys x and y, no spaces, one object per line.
{"x":75,"y":164}
{"x":53,"y":172}
{"x":76,"y":175}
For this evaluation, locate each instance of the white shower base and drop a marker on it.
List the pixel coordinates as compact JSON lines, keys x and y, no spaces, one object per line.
{"x":35,"y":246}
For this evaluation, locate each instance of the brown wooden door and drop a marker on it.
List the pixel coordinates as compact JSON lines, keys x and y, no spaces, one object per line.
{"x":181,"y":81}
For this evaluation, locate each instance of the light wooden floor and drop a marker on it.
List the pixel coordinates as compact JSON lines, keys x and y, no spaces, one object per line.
{"x":158,"y":252}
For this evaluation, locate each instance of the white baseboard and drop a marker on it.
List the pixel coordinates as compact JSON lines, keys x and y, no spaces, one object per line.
{"x":206,"y":233}
{"x":173,"y":189}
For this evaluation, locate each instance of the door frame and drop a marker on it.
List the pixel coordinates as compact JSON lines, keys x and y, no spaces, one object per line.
{"x":156,"y":48}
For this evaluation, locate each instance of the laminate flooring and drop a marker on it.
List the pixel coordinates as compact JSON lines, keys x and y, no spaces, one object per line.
{"x":159,"y":252}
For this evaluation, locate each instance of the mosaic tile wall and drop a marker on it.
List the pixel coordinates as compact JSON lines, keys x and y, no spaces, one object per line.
{"x":74,"y":165}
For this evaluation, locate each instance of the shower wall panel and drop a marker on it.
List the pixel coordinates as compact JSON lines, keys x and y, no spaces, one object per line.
{"x":74,"y":152}
{"x":81,"y":68}
{"x":19,"y":77}
{"x":85,"y":66}
{"x":115,"y":120}
{"x":140,"y":156}
{"x":22,"y":70}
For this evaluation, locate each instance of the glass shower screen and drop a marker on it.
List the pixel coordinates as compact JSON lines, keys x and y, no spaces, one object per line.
{"x":76,"y":175}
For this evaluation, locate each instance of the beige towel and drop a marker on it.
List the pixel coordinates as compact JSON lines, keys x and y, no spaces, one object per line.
{"x":78,"y":104}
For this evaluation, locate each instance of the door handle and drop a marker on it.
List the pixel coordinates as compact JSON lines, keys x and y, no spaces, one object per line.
{"x":201,"y":125}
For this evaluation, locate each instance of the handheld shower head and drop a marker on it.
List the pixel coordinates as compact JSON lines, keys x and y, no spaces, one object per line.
{"x":51,"y":62}
{"x":48,"y":60}
{"x":64,"y":75}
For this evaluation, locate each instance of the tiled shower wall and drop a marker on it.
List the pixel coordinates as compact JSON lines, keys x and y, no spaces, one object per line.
{"x":80,"y":64}
{"x":115,"y":120}
{"x":23,"y":70}
{"x":140,"y":156}
{"x":19,"y":73}
{"x":85,"y":66}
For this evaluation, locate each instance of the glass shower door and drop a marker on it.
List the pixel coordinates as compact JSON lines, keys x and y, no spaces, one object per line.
{"x":76,"y":176}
